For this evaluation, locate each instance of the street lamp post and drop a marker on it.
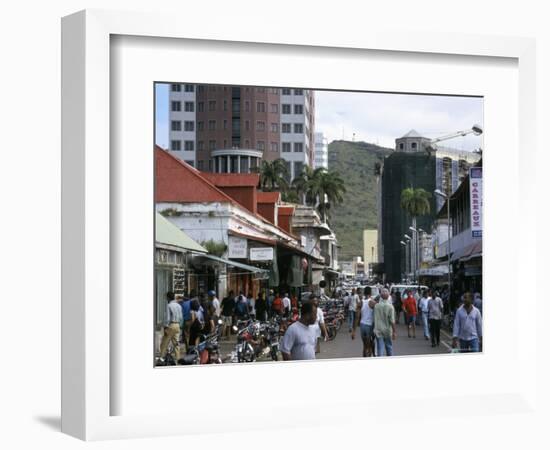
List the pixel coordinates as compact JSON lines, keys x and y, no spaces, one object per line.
{"x":416,"y":253}
{"x":448,"y":200}
{"x":410,"y":258}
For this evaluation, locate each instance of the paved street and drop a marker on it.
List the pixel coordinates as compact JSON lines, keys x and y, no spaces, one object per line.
{"x":344,"y":347}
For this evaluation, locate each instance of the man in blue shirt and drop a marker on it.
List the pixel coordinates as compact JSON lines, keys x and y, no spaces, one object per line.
{"x":467,"y":329}
{"x":186,"y":322}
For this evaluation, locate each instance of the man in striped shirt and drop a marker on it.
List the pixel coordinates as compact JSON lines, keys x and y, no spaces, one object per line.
{"x":172,"y":320}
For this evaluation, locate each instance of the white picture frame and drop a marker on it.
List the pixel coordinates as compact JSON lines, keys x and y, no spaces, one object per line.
{"x":87,"y":257}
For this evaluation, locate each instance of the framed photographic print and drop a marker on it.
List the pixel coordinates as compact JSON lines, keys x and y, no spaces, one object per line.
{"x":243,"y":211}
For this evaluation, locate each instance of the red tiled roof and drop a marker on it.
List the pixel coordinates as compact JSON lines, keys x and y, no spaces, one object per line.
{"x":174,"y":185}
{"x":232,"y":179}
{"x":286,"y":210}
{"x":177,"y":176}
{"x":268,"y":197}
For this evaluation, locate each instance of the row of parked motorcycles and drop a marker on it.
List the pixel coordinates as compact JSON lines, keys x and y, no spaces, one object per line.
{"x":255,"y":339}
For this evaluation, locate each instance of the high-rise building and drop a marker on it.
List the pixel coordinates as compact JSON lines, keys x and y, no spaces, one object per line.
{"x":233,"y":128}
{"x":321,"y":151}
{"x":411,"y":165}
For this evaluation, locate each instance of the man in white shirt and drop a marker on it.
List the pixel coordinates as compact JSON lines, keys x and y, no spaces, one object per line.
{"x":423,"y":306}
{"x":286,"y":305}
{"x":319,"y":325}
{"x":215,"y":303}
{"x":299,"y":340}
{"x":364,"y":317}
{"x":353,"y":300}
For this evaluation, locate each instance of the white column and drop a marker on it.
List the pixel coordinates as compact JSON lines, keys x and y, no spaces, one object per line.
{"x":238,"y":163}
{"x":249,"y":164}
{"x":228,"y":164}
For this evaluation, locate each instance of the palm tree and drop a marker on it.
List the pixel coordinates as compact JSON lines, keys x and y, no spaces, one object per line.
{"x":327,"y":188}
{"x":416,"y":202}
{"x":302,"y":184}
{"x":274,"y":175}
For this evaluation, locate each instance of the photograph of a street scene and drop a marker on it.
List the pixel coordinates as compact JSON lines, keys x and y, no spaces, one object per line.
{"x":297,"y":224}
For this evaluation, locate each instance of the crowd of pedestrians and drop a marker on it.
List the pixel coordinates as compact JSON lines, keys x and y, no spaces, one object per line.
{"x":375,"y":317}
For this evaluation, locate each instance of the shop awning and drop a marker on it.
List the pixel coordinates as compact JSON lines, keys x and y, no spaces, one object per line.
{"x":232,"y":263}
{"x":434,"y":271}
{"x":168,"y":234}
{"x":468,"y":252}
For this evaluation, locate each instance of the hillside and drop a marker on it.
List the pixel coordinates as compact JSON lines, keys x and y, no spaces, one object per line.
{"x":355,"y":161}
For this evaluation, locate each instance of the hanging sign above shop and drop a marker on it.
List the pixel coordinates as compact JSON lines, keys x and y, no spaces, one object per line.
{"x":238,"y":247}
{"x":476,"y":201}
{"x":261,"y":254}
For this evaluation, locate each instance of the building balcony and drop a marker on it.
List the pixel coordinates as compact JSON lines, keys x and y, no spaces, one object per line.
{"x":236,"y":160}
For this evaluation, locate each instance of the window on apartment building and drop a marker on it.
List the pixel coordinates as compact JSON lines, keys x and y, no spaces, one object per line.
{"x":274,"y":90}
{"x":285,"y":146}
{"x":225,"y":124}
{"x":200,"y":145}
{"x":286,"y":128}
{"x":212,"y":145}
{"x":212,"y":125}
{"x":274,"y":108}
{"x":261,"y":89}
{"x":298,"y":92}
{"x":285,"y":109}
{"x":298,"y":109}
{"x":236,"y":125}
{"x":225,"y":105}
{"x":247,"y":125}
{"x":401,"y":146}
{"x":212,"y":105}
{"x":176,"y":106}
{"x":260,"y":145}
{"x":189,"y":146}
{"x":200,"y":164}
{"x":189,"y":107}
{"x":260,"y":126}
{"x":212,"y":88}
{"x":298,"y":147}
{"x":286,"y":91}
{"x":175,"y":87}
{"x":298,"y":167}
{"x":189,"y":88}
{"x":274,"y":146}
{"x":175,"y":146}
{"x":274,"y":127}
{"x":175,"y":125}
{"x":200,"y":88}
{"x":260,"y":107}
{"x":247,"y":106}
{"x":247,"y":144}
{"x":235,"y":106}
{"x":189,"y":125}
{"x":298,"y":128}
{"x":200,"y":126}
{"x":200,"y":106}
{"x":413,"y":145}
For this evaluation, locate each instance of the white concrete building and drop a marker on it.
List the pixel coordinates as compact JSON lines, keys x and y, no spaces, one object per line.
{"x":321,"y":151}
{"x":297,"y":116}
{"x":182,"y":122}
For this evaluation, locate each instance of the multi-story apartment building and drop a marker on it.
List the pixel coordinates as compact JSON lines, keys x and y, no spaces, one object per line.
{"x":182,"y":125}
{"x":321,"y":151}
{"x":235,"y":127}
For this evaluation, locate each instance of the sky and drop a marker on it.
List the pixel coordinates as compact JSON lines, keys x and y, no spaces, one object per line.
{"x":378,"y":118}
